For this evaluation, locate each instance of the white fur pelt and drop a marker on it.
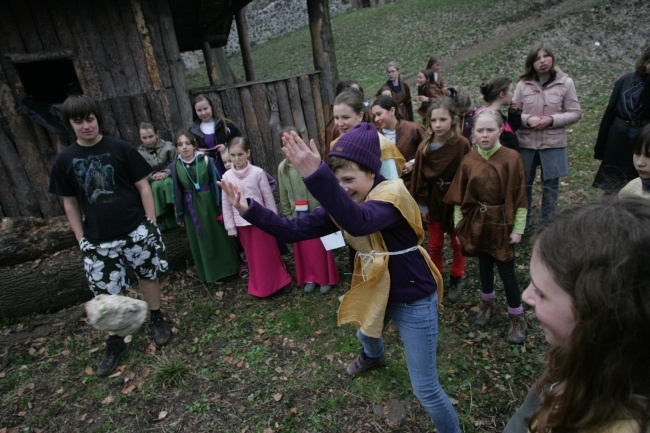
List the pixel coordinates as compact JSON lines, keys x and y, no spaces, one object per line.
{"x":114,"y":313}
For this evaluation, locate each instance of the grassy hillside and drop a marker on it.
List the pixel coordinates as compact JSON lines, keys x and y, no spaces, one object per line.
{"x":238,"y":364}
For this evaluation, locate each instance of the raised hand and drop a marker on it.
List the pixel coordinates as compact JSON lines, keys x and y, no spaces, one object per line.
{"x":305,"y":158}
{"x":234,"y":196}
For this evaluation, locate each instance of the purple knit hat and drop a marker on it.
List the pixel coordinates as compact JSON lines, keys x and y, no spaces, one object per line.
{"x":360,"y":145}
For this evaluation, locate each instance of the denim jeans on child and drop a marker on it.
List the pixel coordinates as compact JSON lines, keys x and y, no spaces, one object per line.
{"x":554,"y":164}
{"x":417,"y":323}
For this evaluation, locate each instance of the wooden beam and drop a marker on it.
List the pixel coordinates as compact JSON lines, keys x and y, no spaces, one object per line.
{"x":62,"y":53}
{"x":176,"y":67}
{"x":224,"y":68}
{"x":322,"y":43}
{"x":244,"y":44}
{"x":209,"y":63}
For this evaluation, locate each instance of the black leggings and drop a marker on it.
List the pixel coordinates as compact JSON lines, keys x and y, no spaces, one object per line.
{"x":507,"y":273}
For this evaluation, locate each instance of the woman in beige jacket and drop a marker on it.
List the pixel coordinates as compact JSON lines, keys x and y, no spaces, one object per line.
{"x":549,"y":102}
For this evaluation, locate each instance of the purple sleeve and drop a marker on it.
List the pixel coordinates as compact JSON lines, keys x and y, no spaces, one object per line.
{"x":313,"y":225}
{"x":357,"y":220}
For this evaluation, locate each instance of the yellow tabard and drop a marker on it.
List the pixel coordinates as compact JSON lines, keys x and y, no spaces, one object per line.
{"x":364,"y":305}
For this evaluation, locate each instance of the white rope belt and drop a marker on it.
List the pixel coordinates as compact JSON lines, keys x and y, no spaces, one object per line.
{"x":368,"y":257}
{"x":484,"y":206}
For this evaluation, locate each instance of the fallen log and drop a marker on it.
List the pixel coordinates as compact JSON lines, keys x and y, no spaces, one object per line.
{"x":53,"y":280}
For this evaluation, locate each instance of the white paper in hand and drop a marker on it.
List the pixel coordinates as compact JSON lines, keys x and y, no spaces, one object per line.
{"x":333,"y":241}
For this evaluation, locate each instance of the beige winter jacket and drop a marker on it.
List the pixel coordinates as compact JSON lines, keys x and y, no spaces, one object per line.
{"x":558,"y":100}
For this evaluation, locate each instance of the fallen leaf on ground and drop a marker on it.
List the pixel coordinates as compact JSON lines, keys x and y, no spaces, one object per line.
{"x":277,"y":396}
{"x":162,"y":414}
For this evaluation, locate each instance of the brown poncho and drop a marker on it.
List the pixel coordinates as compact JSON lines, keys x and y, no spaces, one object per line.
{"x":433,"y":172}
{"x":488,"y":193}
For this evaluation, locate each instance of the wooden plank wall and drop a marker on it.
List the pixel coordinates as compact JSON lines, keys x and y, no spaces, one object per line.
{"x":126,"y":57}
{"x":262,"y":108}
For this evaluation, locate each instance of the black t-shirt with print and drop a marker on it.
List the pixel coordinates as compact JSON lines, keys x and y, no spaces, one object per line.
{"x":103,"y":178}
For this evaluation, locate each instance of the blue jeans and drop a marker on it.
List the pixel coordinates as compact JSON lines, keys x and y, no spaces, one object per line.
{"x":550,"y":191}
{"x":417,"y":323}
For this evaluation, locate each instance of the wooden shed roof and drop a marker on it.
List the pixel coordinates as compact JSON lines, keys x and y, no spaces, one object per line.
{"x":198,"y":21}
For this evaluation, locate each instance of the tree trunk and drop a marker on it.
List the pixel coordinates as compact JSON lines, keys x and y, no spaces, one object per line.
{"x":41,"y":268}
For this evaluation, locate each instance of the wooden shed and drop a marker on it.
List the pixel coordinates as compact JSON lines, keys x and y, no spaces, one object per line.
{"x":126,"y":55}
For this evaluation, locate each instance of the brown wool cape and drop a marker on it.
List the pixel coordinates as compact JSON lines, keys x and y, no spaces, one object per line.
{"x":488,"y":193}
{"x":432,"y":175}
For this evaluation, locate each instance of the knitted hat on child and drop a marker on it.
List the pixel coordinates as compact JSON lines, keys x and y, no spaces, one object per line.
{"x":360,"y":145}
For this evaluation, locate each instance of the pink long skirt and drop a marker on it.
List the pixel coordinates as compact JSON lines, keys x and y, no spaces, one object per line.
{"x":314,"y":263}
{"x":266,"y":270}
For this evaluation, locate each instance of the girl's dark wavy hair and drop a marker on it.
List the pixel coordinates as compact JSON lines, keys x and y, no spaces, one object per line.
{"x":428,"y":74}
{"x":386,"y":102}
{"x":600,"y":255}
{"x":529,"y":71}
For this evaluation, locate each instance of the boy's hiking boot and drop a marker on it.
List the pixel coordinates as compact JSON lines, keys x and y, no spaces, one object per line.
{"x":115,"y":348}
{"x":517,"y":331}
{"x":485,"y":312}
{"x":455,"y":289}
{"x":363,"y":363}
{"x":161,"y":333}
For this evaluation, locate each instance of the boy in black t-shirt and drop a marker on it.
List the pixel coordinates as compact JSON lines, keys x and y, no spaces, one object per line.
{"x":105,"y":179}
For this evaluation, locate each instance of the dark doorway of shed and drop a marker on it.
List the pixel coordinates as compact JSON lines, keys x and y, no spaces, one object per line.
{"x":49,"y":81}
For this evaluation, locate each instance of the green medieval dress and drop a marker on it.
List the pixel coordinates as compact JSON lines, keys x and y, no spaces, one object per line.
{"x":214,"y":252}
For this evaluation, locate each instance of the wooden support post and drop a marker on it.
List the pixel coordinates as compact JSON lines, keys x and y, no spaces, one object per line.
{"x":322,"y":43}
{"x":209,"y":63}
{"x":224,"y":69}
{"x":244,"y":44}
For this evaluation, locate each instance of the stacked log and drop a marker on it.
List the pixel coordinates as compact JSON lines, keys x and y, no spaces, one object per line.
{"x":41,"y":268}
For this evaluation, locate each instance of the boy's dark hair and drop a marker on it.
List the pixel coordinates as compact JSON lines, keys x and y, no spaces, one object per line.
{"x":336,"y":162}
{"x":641,"y":143}
{"x":386,"y":102}
{"x":493,"y":88}
{"x":529,"y":70}
{"x":77,"y":107}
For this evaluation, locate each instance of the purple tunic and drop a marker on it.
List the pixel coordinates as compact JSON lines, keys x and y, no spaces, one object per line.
{"x":410,"y":277}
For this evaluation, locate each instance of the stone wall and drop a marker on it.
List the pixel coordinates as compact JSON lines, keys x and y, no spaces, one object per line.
{"x":268,"y":19}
